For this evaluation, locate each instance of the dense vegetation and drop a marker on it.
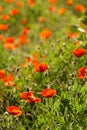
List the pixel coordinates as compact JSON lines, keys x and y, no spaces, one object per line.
{"x":43,"y":67}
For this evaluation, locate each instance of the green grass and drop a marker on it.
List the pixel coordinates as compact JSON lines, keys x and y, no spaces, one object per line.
{"x":67,"y":110}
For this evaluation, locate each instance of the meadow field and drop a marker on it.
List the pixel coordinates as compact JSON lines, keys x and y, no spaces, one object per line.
{"x":43,"y":65}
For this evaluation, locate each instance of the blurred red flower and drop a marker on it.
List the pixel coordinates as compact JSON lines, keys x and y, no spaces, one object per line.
{"x":31,"y":3}
{"x":52,"y":1}
{"x":25,"y":95}
{"x":80,"y":8}
{"x":52,"y":8}
{"x":10,"y":46}
{"x":14,"y":12}
{"x":1,"y":9}
{"x":82,"y":72}
{"x":79,"y":52}
{"x":40,"y":67}
{"x":8,"y":78}
{"x":61,"y":11}
{"x":14,"y":110}
{"x":47,"y":93}
{"x":24,"y":21}
{"x":3,"y":27}
{"x":5,"y":17}
{"x":2,"y":74}
{"x":45,"y":34}
{"x":19,"y":3}
{"x":34,"y":99}
{"x":29,"y":97}
{"x":9,"y":40}
{"x":9,"y":1}
{"x":69,"y":2}
{"x":73,"y":35}
{"x":41,"y":19}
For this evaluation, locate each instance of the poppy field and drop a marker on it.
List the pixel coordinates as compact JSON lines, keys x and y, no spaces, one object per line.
{"x":43,"y":65}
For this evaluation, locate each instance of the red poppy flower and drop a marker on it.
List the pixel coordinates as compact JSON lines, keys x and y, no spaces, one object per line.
{"x":48,"y":92}
{"x":45,"y":34}
{"x":23,"y":21}
{"x":52,"y":1}
{"x":5,"y":17}
{"x":34,"y":99}
{"x":41,"y":67}
{"x":22,"y":39}
{"x":9,"y":40}
{"x":52,"y":8}
{"x":3,"y":27}
{"x":14,"y":110}
{"x":31,"y":3}
{"x":8,"y":78}
{"x":1,"y":37}
{"x":25,"y":95}
{"x":41,"y":19}
{"x":82,"y":72}
{"x":80,"y":8}
{"x":9,"y":1}
{"x":79,"y":52}
{"x":69,"y":2}
{"x":73,"y":35}
{"x":1,"y":9}
{"x":61,"y":11}
{"x":29,"y":97}
{"x":2,"y":74}
{"x":10,"y":46}
{"x":14,"y":12}
{"x":19,"y":3}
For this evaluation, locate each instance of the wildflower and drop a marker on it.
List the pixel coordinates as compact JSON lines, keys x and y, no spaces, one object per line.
{"x":40,"y":67}
{"x":2,"y":74}
{"x":73,"y":35}
{"x":10,"y":46}
{"x":19,"y":3}
{"x":14,"y":12}
{"x":1,"y":37}
{"x":5,"y":17}
{"x":52,"y":1}
{"x":25,"y":31}
{"x":14,"y":110}
{"x":8,"y":80}
{"x":26,"y":95}
{"x":82,"y":72}
{"x":29,"y":97}
{"x":28,"y":59}
{"x":34,"y":100}
{"x":61,"y":11}
{"x":3,"y":27}
{"x":69,"y":2}
{"x":24,"y":21}
{"x":47,"y":93}
{"x":31,"y":3}
{"x":22,"y":39}
{"x":9,"y":1}
{"x":52,"y":8}
{"x":35,"y":56}
{"x":79,"y":52}
{"x":9,"y":40}
{"x":80,"y":8}
{"x":41,"y":19}
{"x":1,"y":9}
{"x":45,"y":34}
